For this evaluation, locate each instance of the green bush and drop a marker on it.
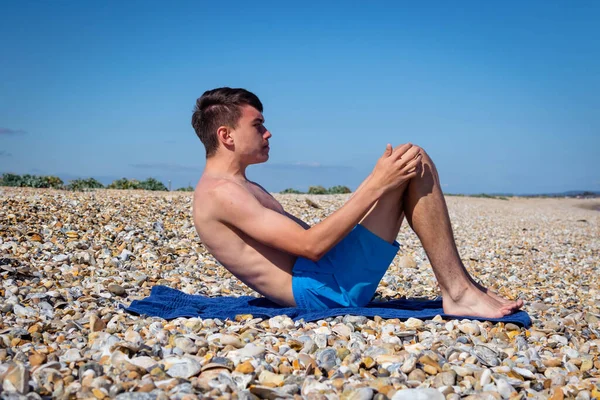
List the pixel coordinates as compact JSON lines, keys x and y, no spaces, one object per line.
{"x":82,"y":184}
{"x":291,"y":190}
{"x":33,"y":181}
{"x":9,"y":179}
{"x":53,"y":182}
{"x":148,"y":184}
{"x":125,"y":184}
{"x":185,"y":189}
{"x":339,"y":190}
{"x":317,"y":190}
{"x":153,"y":184}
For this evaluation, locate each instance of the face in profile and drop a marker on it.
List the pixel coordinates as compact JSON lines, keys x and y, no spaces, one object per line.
{"x":251,"y":137}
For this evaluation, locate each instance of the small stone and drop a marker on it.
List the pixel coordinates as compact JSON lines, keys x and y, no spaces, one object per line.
{"x":447,"y":378}
{"x":270,"y":379}
{"x":418,"y":394}
{"x":469,"y":328}
{"x":115,"y":289}
{"x":409,"y":364}
{"x":407,"y":262}
{"x":586,"y":365}
{"x":251,"y":350}
{"x":486,"y":377}
{"x":413,"y":323}
{"x":342,"y":330}
{"x":368,"y":362}
{"x":144,"y":362}
{"x":99,"y":393}
{"x":36,"y":359}
{"x":504,"y":388}
{"x":364,"y":393}
{"x":245,"y":368}
{"x":557,"y":394}
{"x":552,"y":362}
{"x":511,"y":327}
{"x":16,"y":378}
{"x":430,"y":369}
{"x":23,"y":312}
{"x":182,"y":367}
{"x":70,"y":356}
{"x":539,"y":306}
{"x":185,"y":344}
{"x":96,"y":324}
{"x":232,"y":341}
{"x":417,"y":375}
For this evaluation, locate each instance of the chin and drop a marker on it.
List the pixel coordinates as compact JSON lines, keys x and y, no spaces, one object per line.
{"x":260,"y":160}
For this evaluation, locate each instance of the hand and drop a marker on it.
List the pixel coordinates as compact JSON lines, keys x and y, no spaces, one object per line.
{"x":396,"y":166}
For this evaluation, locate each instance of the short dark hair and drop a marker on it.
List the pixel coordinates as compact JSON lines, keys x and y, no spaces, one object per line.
{"x":219,"y":107}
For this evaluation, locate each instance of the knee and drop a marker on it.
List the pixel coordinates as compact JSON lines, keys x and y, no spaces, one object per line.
{"x":424,"y":154}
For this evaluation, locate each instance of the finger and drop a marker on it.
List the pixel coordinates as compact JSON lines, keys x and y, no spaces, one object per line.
{"x":408,"y":165}
{"x":411,"y":153}
{"x":400,"y":150}
{"x":410,"y":175}
{"x":388,"y":151}
{"x":417,"y":168}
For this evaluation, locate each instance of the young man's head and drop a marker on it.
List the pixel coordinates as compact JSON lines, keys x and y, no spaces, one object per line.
{"x":231,"y":119}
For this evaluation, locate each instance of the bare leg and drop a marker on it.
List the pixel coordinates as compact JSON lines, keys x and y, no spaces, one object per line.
{"x":422,"y":201}
{"x":427,"y":214}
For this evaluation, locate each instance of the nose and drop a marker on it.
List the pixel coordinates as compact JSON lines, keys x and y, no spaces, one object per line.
{"x":267,"y":134}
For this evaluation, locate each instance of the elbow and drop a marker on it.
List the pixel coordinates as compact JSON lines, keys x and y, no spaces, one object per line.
{"x":314,"y":257}
{"x":313,"y":252}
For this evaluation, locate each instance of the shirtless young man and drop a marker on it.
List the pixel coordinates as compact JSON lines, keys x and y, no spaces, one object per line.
{"x":339,"y":261}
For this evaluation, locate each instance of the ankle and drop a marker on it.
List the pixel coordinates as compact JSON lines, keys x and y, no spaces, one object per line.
{"x":457,"y":292}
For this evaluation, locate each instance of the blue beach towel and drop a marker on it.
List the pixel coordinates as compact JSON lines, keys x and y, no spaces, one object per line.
{"x":169,"y":303}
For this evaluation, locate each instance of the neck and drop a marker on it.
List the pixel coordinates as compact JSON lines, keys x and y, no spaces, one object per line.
{"x":225,"y":167}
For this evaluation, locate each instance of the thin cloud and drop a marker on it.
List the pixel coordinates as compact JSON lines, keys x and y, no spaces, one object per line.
{"x":9,"y":131}
{"x":166,"y":167}
{"x":4,"y":153}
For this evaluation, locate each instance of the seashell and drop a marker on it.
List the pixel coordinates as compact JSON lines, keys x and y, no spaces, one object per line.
{"x":72,"y":235}
{"x":34,"y":236}
{"x":219,"y":362}
{"x":486,"y":355}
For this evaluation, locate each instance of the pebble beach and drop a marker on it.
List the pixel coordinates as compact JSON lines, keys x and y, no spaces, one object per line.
{"x":69,"y":259}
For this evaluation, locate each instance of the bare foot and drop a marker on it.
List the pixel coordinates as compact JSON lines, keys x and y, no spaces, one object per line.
{"x":476,"y":303}
{"x":518,"y":303}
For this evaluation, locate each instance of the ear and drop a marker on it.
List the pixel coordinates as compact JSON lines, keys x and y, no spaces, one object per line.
{"x":224,"y":135}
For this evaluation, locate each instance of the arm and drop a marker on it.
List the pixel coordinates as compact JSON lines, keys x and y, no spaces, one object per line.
{"x":236,"y":207}
{"x":297,"y":220}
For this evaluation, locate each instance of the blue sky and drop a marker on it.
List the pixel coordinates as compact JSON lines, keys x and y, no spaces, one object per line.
{"x":504,"y":96}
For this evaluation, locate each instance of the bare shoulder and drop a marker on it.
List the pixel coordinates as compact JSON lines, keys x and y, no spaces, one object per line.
{"x":213,"y":196}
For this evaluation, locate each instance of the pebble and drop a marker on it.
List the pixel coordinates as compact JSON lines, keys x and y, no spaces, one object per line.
{"x":115,"y":289}
{"x":418,"y":394}
{"x":63,"y":335}
{"x":182,"y":367}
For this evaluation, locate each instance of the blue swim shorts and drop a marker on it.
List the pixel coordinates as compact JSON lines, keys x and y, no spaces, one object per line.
{"x":347,"y":276}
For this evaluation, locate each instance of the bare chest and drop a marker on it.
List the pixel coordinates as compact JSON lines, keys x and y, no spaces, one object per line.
{"x":266,"y":199}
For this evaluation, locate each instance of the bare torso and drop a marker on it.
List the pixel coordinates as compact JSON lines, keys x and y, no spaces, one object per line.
{"x":265,"y":269}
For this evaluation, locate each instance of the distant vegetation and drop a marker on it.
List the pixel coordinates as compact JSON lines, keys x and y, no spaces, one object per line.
{"x":54,"y":182}
{"x":320,"y":190}
{"x":482,"y":195}
{"x":82,"y":184}
{"x":33,"y":181}
{"x":148,"y":184}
